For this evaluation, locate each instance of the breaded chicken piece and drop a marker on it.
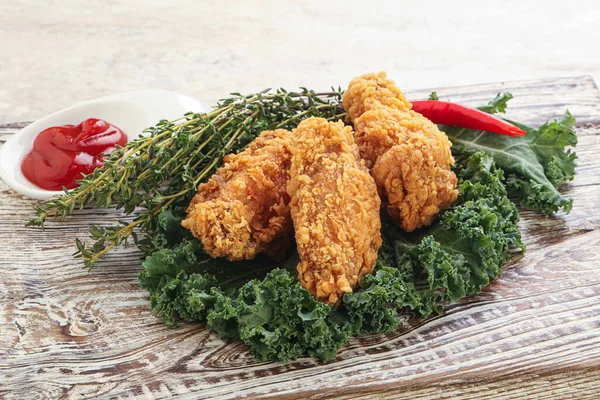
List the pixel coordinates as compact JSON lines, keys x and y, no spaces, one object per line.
{"x":411,"y":162}
{"x":415,"y":174}
{"x":370,"y":92}
{"x":335,"y":209}
{"x":408,"y":155}
{"x":243,"y":209}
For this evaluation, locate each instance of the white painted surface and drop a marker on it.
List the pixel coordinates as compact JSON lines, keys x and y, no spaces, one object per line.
{"x":56,"y":53}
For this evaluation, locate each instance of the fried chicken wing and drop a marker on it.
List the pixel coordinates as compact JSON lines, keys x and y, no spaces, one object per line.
{"x":408,"y":155}
{"x":370,"y":92}
{"x":243,"y":209}
{"x":416,"y":176}
{"x":335,"y":209}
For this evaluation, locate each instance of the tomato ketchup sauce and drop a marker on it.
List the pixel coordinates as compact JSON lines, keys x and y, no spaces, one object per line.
{"x":61,"y":154}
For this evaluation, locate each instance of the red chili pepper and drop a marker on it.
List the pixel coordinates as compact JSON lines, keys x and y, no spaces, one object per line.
{"x":445,"y":113}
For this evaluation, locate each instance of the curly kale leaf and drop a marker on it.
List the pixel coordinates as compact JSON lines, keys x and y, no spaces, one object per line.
{"x":278,"y":319}
{"x":275,"y":316}
{"x":189,"y":297}
{"x":390,"y":288}
{"x":167,"y":263}
{"x":498,"y":104}
{"x":482,"y":227}
{"x":180,"y":280}
{"x":535,"y":164}
{"x":475,"y":237}
{"x":456,"y":258}
{"x":177,"y":282}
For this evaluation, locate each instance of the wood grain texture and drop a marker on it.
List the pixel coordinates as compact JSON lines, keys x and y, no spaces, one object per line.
{"x":534,"y":332}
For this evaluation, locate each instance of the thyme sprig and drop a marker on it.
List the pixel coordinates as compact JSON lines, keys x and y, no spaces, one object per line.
{"x":165,"y":165}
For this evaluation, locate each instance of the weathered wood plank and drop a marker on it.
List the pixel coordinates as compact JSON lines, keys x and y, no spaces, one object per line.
{"x":534,"y":332}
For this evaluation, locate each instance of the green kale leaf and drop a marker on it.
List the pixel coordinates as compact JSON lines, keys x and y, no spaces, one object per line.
{"x":390,"y":288}
{"x":459,"y":256}
{"x":278,"y":319}
{"x":535,"y":164}
{"x":498,"y":104}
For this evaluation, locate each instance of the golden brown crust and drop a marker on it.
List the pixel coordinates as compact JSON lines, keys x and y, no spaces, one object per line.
{"x":243,"y":209}
{"x":335,"y":209}
{"x":410,"y":159}
{"x":408,"y":155}
{"x":417,"y":187}
{"x":372,"y":91}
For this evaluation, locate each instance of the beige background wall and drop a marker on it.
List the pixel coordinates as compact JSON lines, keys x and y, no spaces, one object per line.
{"x":55,"y":53}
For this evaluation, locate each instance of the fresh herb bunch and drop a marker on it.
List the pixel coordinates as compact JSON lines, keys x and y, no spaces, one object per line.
{"x":164,"y":166}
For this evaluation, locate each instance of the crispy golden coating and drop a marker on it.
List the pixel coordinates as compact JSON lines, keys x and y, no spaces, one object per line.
{"x":372,"y":91}
{"x":379,"y":130}
{"x":410,"y":160}
{"x":376,"y":131}
{"x":417,"y":179}
{"x":335,"y":209}
{"x":408,"y":155}
{"x":243,"y":209}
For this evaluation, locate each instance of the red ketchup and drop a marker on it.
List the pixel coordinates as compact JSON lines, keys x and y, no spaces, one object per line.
{"x":62,"y":153}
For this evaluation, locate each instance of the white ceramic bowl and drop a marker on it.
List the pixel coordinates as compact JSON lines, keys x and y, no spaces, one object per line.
{"x":131,"y":112}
